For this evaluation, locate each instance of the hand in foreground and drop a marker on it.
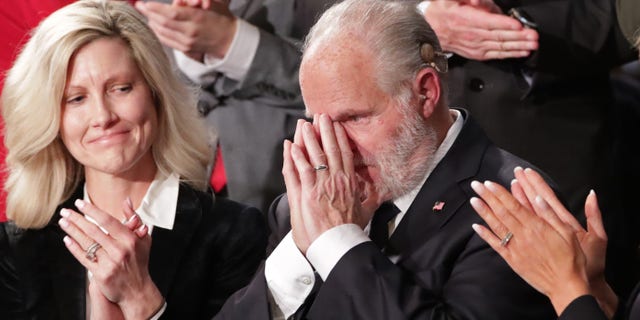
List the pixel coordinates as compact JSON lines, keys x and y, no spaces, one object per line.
{"x":593,"y":241}
{"x":193,"y":30}
{"x":478,"y":34}
{"x":119,"y":264}
{"x":322,"y":186}
{"x":543,"y":250}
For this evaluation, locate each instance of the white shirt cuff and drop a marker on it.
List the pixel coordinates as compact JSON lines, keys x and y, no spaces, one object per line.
{"x":235,"y":64}
{"x":160,"y":312}
{"x":422,"y":6}
{"x":289,"y":276}
{"x":325,"y":252}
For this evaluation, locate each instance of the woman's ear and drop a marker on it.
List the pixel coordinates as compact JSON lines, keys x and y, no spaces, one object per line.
{"x":426,"y":86}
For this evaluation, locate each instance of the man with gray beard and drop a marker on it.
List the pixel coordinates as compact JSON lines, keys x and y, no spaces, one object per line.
{"x":376,"y":222}
{"x":383,"y":156}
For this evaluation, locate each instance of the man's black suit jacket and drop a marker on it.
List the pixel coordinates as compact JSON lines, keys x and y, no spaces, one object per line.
{"x":443,"y":269}
{"x":212,"y":251}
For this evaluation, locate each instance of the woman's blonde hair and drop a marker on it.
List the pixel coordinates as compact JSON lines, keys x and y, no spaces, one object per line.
{"x":42,"y":173}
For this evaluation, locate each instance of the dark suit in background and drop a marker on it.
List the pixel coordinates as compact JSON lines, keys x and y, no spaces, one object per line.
{"x":213,"y":250}
{"x":443,"y":269}
{"x":561,"y":121}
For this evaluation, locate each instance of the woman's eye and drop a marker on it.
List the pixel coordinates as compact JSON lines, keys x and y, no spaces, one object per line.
{"x":75,"y":100}
{"x":123,"y":88}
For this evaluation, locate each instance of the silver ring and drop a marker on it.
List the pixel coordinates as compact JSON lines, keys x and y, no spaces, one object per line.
{"x":321,"y":167}
{"x":506,"y":239}
{"x":91,"y":252}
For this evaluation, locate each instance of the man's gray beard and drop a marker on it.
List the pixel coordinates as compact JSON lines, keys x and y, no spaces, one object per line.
{"x":399,"y":173}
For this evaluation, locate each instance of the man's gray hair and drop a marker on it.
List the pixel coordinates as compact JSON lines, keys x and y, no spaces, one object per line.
{"x":394,"y":31}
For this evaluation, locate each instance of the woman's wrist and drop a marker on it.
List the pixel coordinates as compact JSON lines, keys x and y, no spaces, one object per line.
{"x":564,"y":294}
{"x":143,"y":305}
{"x":606,"y":297}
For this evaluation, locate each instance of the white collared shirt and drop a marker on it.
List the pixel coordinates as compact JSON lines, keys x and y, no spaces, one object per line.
{"x":289,"y":274}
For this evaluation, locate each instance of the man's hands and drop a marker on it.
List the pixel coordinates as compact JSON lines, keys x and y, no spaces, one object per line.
{"x":195,"y":27}
{"x":476,"y":29}
{"x":321,"y":199}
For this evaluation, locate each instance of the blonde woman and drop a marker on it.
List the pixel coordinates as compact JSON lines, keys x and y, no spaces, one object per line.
{"x":97,"y":124}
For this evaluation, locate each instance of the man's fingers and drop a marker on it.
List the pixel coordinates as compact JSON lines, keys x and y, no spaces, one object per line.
{"x":315,"y":152}
{"x":329,"y":144}
{"x":345,"y":149}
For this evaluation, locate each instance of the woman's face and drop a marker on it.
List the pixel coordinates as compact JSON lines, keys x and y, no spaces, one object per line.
{"x":109,"y":119}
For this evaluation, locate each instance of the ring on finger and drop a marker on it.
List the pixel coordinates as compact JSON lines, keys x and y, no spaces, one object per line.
{"x":505,"y":241}
{"x":320,"y":167}
{"x":91,"y":252}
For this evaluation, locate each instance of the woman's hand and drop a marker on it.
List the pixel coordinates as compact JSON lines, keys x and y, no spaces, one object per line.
{"x":119,"y":265}
{"x":593,"y":241}
{"x":543,"y":250}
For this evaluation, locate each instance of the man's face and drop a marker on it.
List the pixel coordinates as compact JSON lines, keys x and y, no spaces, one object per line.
{"x":392,"y":144}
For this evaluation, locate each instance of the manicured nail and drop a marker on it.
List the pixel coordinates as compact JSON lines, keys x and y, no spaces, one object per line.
{"x":514,"y":181}
{"x":476,"y":228}
{"x":475,"y":202}
{"x":491,"y":186}
{"x":79,"y":203}
{"x":64,"y":212}
{"x":63,"y":223}
{"x":66,"y":240}
{"x":518,"y":168}
{"x":476,"y":186}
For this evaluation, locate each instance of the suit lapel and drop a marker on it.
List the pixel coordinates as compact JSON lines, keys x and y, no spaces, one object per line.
{"x":448,"y":183}
{"x":168,"y":246}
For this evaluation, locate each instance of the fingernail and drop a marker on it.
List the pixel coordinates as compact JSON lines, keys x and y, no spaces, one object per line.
{"x":142,"y":227}
{"x":474,"y":201}
{"x":64,"y":213}
{"x":129,"y":203}
{"x":66,"y":240}
{"x":63,"y":223}
{"x":516,"y":169}
{"x":490,"y":185}
{"x":514,"y":181}
{"x":527,"y":170}
{"x":79,"y":203}
{"x":476,"y":186}
{"x":476,"y":228}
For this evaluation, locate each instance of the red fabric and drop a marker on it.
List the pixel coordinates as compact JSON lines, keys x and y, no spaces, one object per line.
{"x":218,"y":175}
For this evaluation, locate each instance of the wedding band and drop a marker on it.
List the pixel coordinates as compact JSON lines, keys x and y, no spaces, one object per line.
{"x":320,"y":167}
{"x":91,"y":252}
{"x":506,"y":239}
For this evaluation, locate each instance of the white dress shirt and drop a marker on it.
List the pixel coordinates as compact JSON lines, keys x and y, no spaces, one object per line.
{"x":290,"y":275}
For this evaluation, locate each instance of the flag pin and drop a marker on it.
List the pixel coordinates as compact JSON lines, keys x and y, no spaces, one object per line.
{"x":437,"y":207}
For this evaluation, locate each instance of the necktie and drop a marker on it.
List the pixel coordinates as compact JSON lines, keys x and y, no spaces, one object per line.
{"x":379,"y":232}
{"x":218,"y":177}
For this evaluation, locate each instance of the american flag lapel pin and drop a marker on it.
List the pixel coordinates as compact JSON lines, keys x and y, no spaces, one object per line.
{"x":437,"y":207}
